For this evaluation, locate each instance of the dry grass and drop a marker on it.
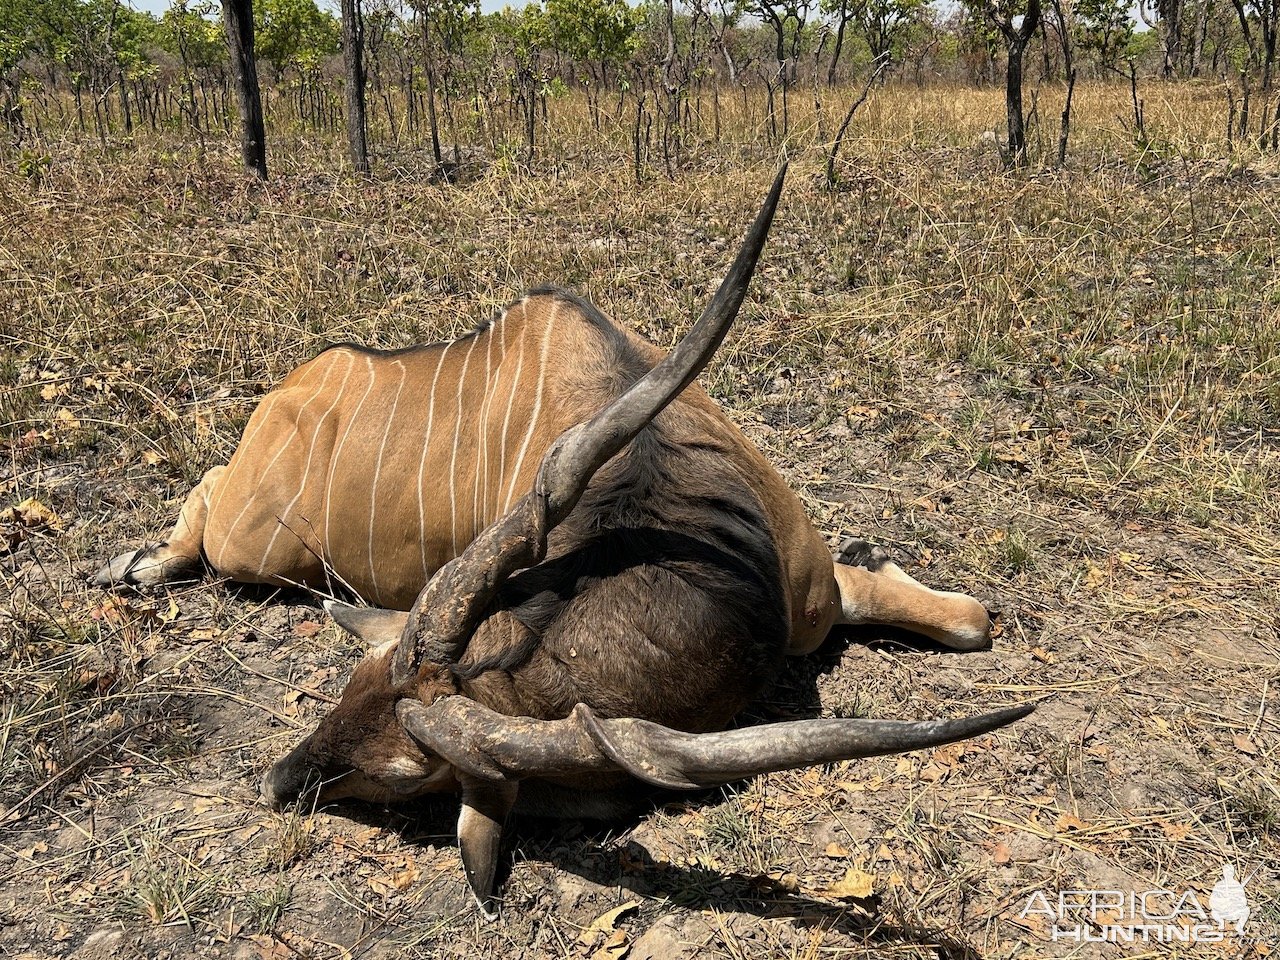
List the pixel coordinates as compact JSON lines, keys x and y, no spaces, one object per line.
{"x":1057,"y":390}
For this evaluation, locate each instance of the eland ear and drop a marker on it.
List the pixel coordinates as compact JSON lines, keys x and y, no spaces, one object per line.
{"x":373,"y":625}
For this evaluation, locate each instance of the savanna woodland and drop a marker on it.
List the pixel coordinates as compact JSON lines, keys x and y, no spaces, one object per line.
{"x":1017,"y":321}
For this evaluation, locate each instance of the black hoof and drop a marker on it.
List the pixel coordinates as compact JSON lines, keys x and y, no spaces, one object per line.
{"x":860,"y":553}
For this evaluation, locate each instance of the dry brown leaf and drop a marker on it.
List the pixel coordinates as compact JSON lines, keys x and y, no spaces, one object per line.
{"x":837,"y":851}
{"x":1068,"y":822}
{"x":31,"y":513}
{"x":1094,"y":577}
{"x":997,"y":627}
{"x":1000,"y":853}
{"x":66,"y":420}
{"x":854,"y":884}
{"x":269,"y":948}
{"x":390,"y":883}
{"x":615,"y":947}
{"x":932,"y":772}
{"x":1176,"y":831}
{"x":29,"y":853}
{"x":306,"y":628}
{"x":607,"y":921}
{"x":1245,"y":745}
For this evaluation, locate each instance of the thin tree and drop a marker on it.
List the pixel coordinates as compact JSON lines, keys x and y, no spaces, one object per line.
{"x":832,"y":179}
{"x":237,"y":18}
{"x":1002,"y":14}
{"x":1063,"y":15}
{"x":353,"y":62}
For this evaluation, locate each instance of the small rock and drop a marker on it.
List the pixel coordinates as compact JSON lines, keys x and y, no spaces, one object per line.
{"x":662,"y":941}
{"x":107,"y":943}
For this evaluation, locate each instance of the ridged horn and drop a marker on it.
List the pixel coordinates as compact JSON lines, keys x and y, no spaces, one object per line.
{"x":493,"y":746}
{"x":451,"y":605}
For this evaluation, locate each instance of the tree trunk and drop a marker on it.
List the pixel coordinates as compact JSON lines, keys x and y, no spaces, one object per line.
{"x":353,"y":61}
{"x":1013,"y":104}
{"x":237,"y":18}
{"x":1016,"y":39}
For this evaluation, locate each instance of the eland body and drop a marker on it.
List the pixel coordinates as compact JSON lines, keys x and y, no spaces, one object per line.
{"x":589,"y":569}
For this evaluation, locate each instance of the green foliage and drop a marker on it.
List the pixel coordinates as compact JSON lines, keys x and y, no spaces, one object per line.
{"x":294,"y":33}
{"x":17,"y":32}
{"x":453,"y":22}
{"x":188,"y":33}
{"x":1105,"y":28}
{"x":81,"y":35}
{"x":787,"y":19}
{"x":885,"y":24}
{"x":597,"y":31}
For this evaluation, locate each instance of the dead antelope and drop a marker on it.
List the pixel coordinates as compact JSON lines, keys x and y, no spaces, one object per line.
{"x":612,"y":571}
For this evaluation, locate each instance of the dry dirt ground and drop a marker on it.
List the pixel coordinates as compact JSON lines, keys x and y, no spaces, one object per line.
{"x":1057,"y":392}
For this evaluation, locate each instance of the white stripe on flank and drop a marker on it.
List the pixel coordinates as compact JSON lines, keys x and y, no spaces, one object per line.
{"x":457,"y":433}
{"x":426,"y":445}
{"x":490,"y":394}
{"x":506,"y":420}
{"x":257,"y":423}
{"x":537,"y":403}
{"x":333,"y":464}
{"x":377,"y":473}
{"x":266,"y":472}
{"x":483,"y":432}
{"x":337,"y":398}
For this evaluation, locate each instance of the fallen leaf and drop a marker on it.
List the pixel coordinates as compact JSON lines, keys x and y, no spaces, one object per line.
{"x":66,"y":419}
{"x":31,"y":513}
{"x":1245,"y":745}
{"x":854,"y":884}
{"x":1000,"y":853}
{"x":306,"y":628}
{"x":615,"y":947}
{"x":606,"y":922}
{"x":837,"y":851}
{"x":1068,"y":822}
{"x":269,"y":948}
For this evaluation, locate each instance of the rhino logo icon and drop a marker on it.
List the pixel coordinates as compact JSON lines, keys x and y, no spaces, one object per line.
{"x":1227,"y":902}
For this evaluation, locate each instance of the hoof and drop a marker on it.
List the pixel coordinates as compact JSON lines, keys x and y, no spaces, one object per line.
{"x":147,"y":567}
{"x":860,"y":553}
{"x":118,"y":571}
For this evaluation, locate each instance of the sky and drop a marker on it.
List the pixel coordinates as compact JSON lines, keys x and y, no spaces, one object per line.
{"x":488,"y":6}
{"x":160,"y":6}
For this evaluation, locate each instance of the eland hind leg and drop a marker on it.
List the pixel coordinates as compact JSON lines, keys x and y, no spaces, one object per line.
{"x":874,"y":589}
{"x":178,"y":557}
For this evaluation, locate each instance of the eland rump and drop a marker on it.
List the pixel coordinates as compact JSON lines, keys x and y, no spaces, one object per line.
{"x":601,"y":571}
